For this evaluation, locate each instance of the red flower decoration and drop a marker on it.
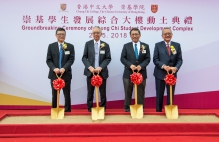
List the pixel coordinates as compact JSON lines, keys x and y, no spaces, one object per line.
{"x":96,"y":80}
{"x":170,"y":79}
{"x":58,"y":84}
{"x":136,"y":78}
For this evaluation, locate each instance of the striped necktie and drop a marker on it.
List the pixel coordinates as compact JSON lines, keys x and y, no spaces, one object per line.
{"x":168,"y":49}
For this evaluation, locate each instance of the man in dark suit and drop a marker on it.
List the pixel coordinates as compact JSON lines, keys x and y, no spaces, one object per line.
{"x":96,"y":57}
{"x":167,"y":58}
{"x":135,"y":56}
{"x":60,"y":57}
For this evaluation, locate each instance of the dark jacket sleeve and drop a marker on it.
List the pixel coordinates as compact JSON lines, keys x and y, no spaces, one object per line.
{"x":107,"y":58}
{"x":85,"y":56}
{"x":147,"y":60}
{"x":123,"y":57}
{"x":179,"y":58}
{"x":71,"y":59}
{"x":49,"y":59}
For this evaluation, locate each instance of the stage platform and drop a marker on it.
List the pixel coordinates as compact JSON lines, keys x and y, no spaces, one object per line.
{"x":78,"y":123}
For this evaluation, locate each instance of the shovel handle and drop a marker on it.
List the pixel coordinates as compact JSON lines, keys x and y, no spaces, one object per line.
{"x":133,"y":71}
{"x":58,"y":76}
{"x":136,"y":94}
{"x":94,"y":73}
{"x":58,"y":96}
{"x":97,"y":94}
{"x":171,"y":91}
{"x":169,"y":72}
{"x":58,"y":93}
{"x":57,"y":105}
{"x":171,"y":95}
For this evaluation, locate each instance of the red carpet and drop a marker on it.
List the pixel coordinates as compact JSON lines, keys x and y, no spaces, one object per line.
{"x":109,"y":132}
{"x":117,"y":139}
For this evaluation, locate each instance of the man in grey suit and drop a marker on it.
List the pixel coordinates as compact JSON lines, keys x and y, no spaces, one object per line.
{"x":135,"y":56}
{"x":60,"y":57}
{"x":167,"y":58}
{"x":96,"y":58}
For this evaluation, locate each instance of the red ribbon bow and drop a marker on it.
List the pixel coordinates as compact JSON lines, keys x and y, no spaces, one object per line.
{"x":96,"y":80}
{"x":58,"y":84}
{"x":136,"y":78}
{"x":170,"y":79}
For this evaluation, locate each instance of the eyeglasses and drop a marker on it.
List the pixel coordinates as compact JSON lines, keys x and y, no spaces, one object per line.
{"x":96,"y":33}
{"x":61,"y":34}
{"x":134,"y":34}
{"x":166,"y":34}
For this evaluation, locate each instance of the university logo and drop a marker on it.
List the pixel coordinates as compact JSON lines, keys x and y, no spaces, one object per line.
{"x":63,"y":7}
{"x":154,"y":8}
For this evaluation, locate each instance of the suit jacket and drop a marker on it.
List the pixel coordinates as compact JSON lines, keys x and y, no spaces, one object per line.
{"x":88,"y":58}
{"x":161,"y":57}
{"x":128,"y":58}
{"x":52,"y":60}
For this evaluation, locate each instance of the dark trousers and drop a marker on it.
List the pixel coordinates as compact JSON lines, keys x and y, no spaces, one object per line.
{"x":128,"y":88}
{"x":160,"y":87}
{"x":90,"y":93}
{"x":66,"y":92}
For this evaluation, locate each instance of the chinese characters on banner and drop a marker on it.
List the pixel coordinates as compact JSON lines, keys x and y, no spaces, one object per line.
{"x":83,"y":21}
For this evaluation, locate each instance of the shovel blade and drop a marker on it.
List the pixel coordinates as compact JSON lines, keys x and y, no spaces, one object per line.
{"x":171,"y":111}
{"x":97,"y":113}
{"x":57,"y":113}
{"x":133,"y":111}
{"x":101,"y":112}
{"x":94,"y":113}
{"x":136,"y":111}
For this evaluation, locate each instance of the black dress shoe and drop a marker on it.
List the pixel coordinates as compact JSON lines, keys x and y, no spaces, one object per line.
{"x":158,"y":110}
{"x":89,"y":109}
{"x":127,"y":110}
{"x":67,"y":110}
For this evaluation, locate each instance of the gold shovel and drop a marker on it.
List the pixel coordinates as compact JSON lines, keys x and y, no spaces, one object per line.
{"x":171,"y":110}
{"x":136,"y":110}
{"x":57,"y":113}
{"x":98,"y":112}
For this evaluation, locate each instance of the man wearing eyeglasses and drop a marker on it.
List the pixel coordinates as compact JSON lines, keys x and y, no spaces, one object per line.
{"x":96,"y":58}
{"x":167,"y":58}
{"x":60,"y":57}
{"x":135,"y":57}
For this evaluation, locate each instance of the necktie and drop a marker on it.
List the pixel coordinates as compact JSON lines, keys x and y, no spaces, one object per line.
{"x":136,"y":51}
{"x":96,"y":47}
{"x":60,"y":56}
{"x":96,"y":64}
{"x":168,"y":49}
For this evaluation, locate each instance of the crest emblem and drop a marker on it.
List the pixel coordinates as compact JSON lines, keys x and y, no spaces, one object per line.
{"x":63,"y":6}
{"x":154,"y":8}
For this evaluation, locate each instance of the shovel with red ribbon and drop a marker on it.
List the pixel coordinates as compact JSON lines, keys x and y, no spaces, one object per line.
{"x":136,"y":109}
{"x":171,"y":110}
{"x":97,"y":112}
{"x":58,"y":84}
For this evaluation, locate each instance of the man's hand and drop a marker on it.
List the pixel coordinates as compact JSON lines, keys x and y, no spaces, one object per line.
{"x":91,"y":69}
{"x":56,"y":70}
{"x":62,"y":70}
{"x":133,"y":67}
{"x":167,"y":68}
{"x":174,"y":69}
{"x":138,"y":67}
{"x":98,"y":69}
